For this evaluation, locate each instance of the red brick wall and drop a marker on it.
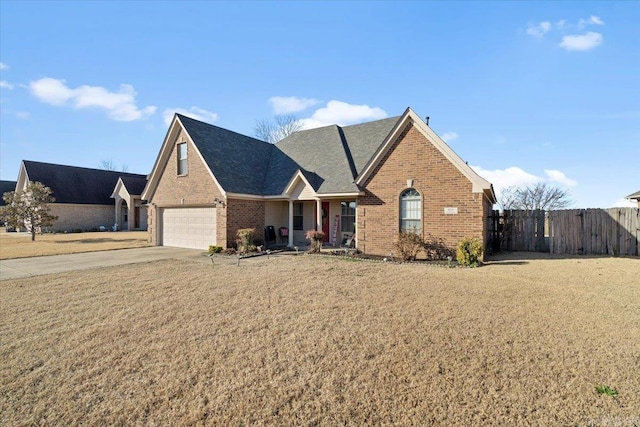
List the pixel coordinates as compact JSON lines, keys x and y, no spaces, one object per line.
{"x":440,"y":184}
{"x":244,"y":214}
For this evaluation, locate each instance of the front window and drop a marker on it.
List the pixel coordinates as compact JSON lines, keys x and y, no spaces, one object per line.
{"x":182,"y":159}
{"x":298,"y":221}
{"x":410,"y":208}
{"x":348,"y":217}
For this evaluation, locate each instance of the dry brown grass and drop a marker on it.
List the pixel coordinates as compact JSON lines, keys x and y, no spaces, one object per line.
{"x":314,"y":341}
{"x":19,"y":245}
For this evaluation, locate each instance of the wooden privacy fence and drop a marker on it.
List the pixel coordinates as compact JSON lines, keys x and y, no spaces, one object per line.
{"x":523,"y":231}
{"x":614,"y":231}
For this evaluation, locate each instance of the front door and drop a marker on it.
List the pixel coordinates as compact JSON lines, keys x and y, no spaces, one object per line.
{"x":136,"y":216}
{"x":325,"y":220}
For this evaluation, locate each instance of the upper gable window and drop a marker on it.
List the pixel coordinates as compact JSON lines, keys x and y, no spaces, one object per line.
{"x":182,"y":159}
{"x":410,"y":208}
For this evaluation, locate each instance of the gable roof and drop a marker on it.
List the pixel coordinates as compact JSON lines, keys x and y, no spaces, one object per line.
{"x":132,"y":185}
{"x":332,"y":159}
{"x":479,"y":184}
{"x":5,"y":187}
{"x":72,"y":184}
{"x":238,"y":162}
{"x":330,"y":156}
{"x":635,"y":196}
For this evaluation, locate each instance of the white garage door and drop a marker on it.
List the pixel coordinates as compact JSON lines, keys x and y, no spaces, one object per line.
{"x":189,"y":227}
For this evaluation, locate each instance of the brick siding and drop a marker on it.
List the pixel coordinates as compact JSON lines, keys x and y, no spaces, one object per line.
{"x":245,"y":214}
{"x":196,"y":188}
{"x":440,"y":184}
{"x":81,"y":217}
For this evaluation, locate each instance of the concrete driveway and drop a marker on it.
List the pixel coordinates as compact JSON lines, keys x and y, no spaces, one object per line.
{"x":25,"y":267}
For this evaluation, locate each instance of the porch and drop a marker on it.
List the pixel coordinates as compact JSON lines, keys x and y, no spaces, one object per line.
{"x":287,"y":221}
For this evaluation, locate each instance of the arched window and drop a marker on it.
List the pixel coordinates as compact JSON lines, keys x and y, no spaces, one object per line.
{"x":410,"y":211}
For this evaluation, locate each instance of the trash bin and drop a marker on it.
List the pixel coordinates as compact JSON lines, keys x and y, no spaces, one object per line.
{"x":269,"y":234}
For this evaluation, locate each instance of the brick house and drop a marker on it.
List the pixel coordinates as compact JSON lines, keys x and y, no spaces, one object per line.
{"x":635,"y":197}
{"x":371,"y":179}
{"x":85,"y":198}
{"x":5,"y":187}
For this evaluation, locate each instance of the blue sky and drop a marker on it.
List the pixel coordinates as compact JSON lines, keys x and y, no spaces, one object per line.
{"x":523,"y":91}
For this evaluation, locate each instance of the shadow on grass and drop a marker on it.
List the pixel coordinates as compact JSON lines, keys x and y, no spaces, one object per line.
{"x":498,"y":262}
{"x":514,"y":258}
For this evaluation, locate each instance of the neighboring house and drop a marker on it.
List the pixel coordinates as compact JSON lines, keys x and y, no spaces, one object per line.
{"x":372,"y":179}
{"x":131,"y":213}
{"x":5,"y":187}
{"x":83,"y":196}
{"x":635,"y":197}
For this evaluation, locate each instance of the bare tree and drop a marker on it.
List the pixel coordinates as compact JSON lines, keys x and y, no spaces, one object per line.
{"x":109,"y":165}
{"x":29,"y":208}
{"x":536,"y":196}
{"x":281,"y":127}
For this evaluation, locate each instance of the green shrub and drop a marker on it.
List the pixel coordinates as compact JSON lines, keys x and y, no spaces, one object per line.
{"x":214,"y":249}
{"x":409,"y":245}
{"x":469,"y":251}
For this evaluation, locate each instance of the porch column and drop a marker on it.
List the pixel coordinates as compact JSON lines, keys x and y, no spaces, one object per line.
{"x":130,"y":208}
{"x":118,"y":209}
{"x":290,"y":238}
{"x":318,"y":215}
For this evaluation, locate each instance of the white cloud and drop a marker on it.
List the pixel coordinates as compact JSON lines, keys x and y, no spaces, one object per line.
{"x":559,"y":177}
{"x":539,"y":30}
{"x":515,"y":176}
{"x":450,"y":136}
{"x":593,"y":20}
{"x":3,"y":66}
{"x":624,"y":203}
{"x":342,"y":114}
{"x":194,"y":112}
{"x":51,"y":91}
{"x":581,"y":42}
{"x":503,"y":178}
{"x":291,"y":104}
{"x":119,"y":105}
{"x":5,"y":84}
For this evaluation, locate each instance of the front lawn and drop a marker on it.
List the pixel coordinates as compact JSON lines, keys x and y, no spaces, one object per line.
{"x":304,"y":340}
{"x":19,"y":245}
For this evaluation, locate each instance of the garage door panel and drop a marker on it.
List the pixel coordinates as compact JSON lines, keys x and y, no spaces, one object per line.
{"x":189,"y":227}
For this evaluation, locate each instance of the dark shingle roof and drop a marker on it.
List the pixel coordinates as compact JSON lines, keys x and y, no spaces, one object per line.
{"x":134,"y":184}
{"x":364,"y":139}
{"x":336,"y":154}
{"x":238,"y":162}
{"x":635,"y":195}
{"x":329,"y":157}
{"x":72,"y":184}
{"x":5,"y":187}
{"x":320,"y":151}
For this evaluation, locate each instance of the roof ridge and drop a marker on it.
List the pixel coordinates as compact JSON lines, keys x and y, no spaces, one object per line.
{"x":219,"y":127}
{"x":85,"y":168}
